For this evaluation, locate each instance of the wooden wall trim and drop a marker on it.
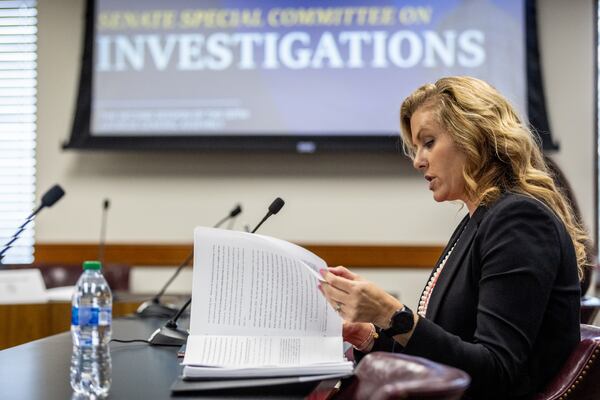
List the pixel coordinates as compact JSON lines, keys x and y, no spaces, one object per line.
{"x":357,"y":256}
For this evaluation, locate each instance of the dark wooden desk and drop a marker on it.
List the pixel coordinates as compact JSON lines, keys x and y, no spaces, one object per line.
{"x":40,"y":369}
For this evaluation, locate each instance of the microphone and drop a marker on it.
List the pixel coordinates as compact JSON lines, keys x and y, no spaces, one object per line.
{"x":274,"y":208}
{"x":153,"y":307}
{"x":52,"y":195}
{"x":49,"y":198}
{"x":169,"y":334}
{"x":102,"y":244}
{"x":232,"y":214}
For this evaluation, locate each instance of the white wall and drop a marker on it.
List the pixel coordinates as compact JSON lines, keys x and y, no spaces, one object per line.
{"x":159,"y":198}
{"x":567,"y":45}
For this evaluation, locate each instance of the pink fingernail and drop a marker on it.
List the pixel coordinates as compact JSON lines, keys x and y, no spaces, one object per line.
{"x":323,"y":272}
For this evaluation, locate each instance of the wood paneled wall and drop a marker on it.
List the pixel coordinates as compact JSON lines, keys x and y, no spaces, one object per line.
{"x":358,"y":256}
{"x":22,"y":323}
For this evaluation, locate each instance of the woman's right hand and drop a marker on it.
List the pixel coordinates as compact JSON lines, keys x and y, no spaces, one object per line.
{"x":356,"y":299}
{"x":357,"y":334}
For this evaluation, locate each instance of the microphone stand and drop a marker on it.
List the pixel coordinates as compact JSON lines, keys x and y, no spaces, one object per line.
{"x":7,"y":246}
{"x":153,"y":307}
{"x":103,"y":223}
{"x":51,"y":196}
{"x":169,"y":334}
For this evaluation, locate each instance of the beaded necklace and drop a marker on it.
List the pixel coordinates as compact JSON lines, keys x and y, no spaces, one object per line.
{"x":424,"y":302}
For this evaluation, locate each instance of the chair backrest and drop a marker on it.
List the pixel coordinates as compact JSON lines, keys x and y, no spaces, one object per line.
{"x":55,"y":275}
{"x":589,"y":309}
{"x":382,"y":376}
{"x":579,"y":378}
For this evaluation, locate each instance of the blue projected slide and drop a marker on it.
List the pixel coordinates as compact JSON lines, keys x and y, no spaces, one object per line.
{"x":291,"y":67}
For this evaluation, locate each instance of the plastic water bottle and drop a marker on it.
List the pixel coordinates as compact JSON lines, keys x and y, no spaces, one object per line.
{"x":91,"y":318}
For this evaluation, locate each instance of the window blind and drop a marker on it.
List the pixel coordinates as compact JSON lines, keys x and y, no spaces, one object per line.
{"x":18,"y":89}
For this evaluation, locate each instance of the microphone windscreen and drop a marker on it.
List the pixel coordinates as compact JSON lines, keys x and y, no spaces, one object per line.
{"x":52,"y":196}
{"x":236,"y":211}
{"x":106,"y":204}
{"x":276,"y":205}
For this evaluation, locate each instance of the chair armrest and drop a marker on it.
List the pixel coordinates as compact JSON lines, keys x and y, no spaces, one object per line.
{"x":382,"y":375}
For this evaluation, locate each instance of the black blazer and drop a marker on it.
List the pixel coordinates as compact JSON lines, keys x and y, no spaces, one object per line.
{"x":505,"y":308}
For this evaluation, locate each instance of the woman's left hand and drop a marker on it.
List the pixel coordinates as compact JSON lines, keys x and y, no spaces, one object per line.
{"x":356,"y":299}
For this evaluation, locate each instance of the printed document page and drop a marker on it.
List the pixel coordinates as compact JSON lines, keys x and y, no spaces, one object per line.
{"x":261,"y":351}
{"x":246,"y":284}
{"x":312,"y":261}
{"x":256,"y":304}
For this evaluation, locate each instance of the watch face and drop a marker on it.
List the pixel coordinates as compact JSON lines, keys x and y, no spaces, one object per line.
{"x":402,"y":322}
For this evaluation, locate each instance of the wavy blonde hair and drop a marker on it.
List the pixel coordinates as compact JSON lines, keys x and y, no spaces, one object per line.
{"x":501,"y":152}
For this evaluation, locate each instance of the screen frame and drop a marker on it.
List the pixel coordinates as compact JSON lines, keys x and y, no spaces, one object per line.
{"x":82,"y":139}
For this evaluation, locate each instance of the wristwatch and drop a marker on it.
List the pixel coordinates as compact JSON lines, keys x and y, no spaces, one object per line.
{"x":402,"y":322}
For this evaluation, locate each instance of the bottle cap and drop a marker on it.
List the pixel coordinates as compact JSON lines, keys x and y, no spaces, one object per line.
{"x":93,"y":265}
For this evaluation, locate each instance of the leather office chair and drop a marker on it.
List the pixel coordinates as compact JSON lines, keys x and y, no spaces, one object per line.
{"x":382,"y":376}
{"x":117,"y":275}
{"x":59,"y":275}
{"x":56,"y":275}
{"x":579,"y":377}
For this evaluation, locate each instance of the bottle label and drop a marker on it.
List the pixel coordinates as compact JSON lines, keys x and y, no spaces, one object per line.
{"x":91,"y":316}
{"x":105,"y":316}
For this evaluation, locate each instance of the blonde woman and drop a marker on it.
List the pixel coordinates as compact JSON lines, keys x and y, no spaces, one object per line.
{"x":502,"y":303}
